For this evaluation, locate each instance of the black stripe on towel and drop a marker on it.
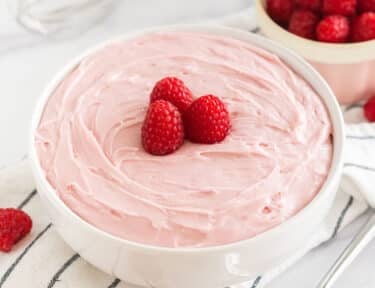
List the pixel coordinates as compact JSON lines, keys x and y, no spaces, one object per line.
{"x":342,"y":216}
{"x":65,"y":266}
{"x":115,"y":283}
{"x":256,"y":282}
{"x":350,"y":107}
{"x":255,"y":30}
{"x":27,"y":199}
{"x":363,"y":167}
{"x":360,"y":137}
{"x":19,"y":258}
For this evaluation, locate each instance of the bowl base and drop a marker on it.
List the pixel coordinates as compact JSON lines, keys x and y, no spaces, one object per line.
{"x":247,"y":284}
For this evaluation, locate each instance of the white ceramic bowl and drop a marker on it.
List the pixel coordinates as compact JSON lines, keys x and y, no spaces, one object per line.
{"x":349,"y":68}
{"x":211,"y":267}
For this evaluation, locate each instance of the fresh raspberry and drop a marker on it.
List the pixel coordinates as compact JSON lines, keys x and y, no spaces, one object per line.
{"x":303,"y":23}
{"x":280,"y":10}
{"x":366,"y":5}
{"x":369,"y":109}
{"x":14,"y":225}
{"x":340,"y":7}
{"x":163,"y":129}
{"x":314,"y":5}
{"x":333,"y":29}
{"x":207,"y":120}
{"x":363,"y":27}
{"x":173,"y":90}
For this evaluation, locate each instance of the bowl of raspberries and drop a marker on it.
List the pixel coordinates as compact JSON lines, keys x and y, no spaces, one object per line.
{"x":336,"y":36}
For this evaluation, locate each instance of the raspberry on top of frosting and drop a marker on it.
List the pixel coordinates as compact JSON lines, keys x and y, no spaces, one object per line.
{"x":270,"y":166}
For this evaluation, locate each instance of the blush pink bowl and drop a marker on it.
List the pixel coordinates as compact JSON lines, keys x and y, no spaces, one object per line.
{"x":348,"y":68}
{"x":211,"y":267}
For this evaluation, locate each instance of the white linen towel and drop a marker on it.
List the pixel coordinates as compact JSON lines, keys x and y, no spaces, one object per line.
{"x":42,"y":259}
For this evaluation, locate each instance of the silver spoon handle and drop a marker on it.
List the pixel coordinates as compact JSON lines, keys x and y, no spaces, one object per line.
{"x":366,"y":234}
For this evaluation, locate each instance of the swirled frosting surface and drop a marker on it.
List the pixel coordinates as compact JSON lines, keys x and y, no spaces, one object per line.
{"x":272,"y":164}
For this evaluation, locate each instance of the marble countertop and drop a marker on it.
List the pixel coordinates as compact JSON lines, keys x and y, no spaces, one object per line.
{"x":28,"y":61}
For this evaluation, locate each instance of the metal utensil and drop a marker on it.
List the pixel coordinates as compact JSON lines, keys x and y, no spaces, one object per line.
{"x":366,"y":234}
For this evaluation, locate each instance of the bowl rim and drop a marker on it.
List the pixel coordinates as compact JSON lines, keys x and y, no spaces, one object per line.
{"x":332,"y":53}
{"x":328,"y":99}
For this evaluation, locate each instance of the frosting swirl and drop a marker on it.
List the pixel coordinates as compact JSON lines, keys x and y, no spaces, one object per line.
{"x":272,"y":164}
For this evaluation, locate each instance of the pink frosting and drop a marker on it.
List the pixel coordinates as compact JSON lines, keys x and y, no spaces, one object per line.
{"x":271,"y":165}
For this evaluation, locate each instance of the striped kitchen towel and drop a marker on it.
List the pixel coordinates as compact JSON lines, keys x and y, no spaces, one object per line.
{"x":42,"y":259}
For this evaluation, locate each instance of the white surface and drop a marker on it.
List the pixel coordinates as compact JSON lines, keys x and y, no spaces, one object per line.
{"x":27,"y":62}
